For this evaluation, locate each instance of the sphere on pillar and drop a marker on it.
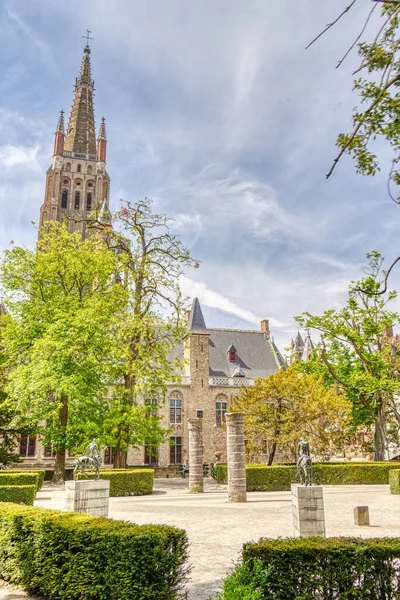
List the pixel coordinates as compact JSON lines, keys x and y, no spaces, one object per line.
{"x":196,"y":484}
{"x":236,"y":457}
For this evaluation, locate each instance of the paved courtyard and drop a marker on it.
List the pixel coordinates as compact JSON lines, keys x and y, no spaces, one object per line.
{"x":217,"y":529}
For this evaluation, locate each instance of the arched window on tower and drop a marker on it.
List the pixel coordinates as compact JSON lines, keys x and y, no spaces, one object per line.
{"x":77,"y":200}
{"x":89,"y":202}
{"x":79,"y":168}
{"x":64,"y":199}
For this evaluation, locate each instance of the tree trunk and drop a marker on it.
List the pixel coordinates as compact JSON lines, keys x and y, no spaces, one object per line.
{"x":380,"y":433}
{"x":59,"y":463}
{"x":272,"y":454}
{"x":121,"y":456}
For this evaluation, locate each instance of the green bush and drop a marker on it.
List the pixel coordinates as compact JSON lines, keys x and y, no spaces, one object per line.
{"x":394,"y":481}
{"x":127,"y":483}
{"x":22,"y":494}
{"x":40,"y":472}
{"x":261,"y":478}
{"x":71,"y":556}
{"x":7,"y":478}
{"x":323,"y":568}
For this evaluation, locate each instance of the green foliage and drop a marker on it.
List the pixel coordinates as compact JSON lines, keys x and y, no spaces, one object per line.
{"x":21,"y":494}
{"x":70,"y":556}
{"x":323,"y":568}
{"x":21,"y":478}
{"x":394,"y":481}
{"x":284,"y":406}
{"x":245,"y":583}
{"x":40,"y":472}
{"x":132,"y":482}
{"x":279,"y":478}
{"x":356,"y":355}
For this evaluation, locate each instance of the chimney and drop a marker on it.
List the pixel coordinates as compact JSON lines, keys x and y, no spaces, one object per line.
{"x":265,"y":328}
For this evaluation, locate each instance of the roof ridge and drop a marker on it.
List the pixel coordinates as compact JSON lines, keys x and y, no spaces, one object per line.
{"x":241,"y":330}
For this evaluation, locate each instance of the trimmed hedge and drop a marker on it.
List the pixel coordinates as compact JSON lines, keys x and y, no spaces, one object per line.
{"x":261,"y":478}
{"x":71,"y":556}
{"x":19,"y":479}
{"x":323,"y":568}
{"x":40,"y":472}
{"x":21,"y":494}
{"x":394,"y":481}
{"x":137,"y":482}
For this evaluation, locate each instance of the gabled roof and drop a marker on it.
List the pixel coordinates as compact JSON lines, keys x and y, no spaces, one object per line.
{"x":231,"y":348}
{"x":237,"y":372}
{"x":197,"y":323}
{"x":308,"y":348}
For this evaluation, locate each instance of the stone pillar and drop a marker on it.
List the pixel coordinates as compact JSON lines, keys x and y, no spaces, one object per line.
{"x":308,"y":510}
{"x":361,"y":515}
{"x":88,"y":496}
{"x":236,"y":457}
{"x":196,"y":485}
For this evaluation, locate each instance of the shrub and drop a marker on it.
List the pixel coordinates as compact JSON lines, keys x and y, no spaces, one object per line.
{"x":40,"y":472}
{"x":322,"y":568}
{"x":127,"y":483}
{"x":261,"y":478}
{"x":21,"y":494}
{"x":8,"y":479}
{"x":394,"y":481}
{"x":71,"y":556}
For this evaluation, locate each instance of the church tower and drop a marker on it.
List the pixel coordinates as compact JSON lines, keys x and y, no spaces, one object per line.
{"x":77,"y":181}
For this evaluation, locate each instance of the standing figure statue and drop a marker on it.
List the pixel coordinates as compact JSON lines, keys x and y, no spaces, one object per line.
{"x":304,"y":463}
{"x":90,"y":461}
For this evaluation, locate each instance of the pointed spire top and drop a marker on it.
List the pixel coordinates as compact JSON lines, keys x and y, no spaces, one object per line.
{"x":60,"y":123}
{"x":102,"y":130}
{"x":85,"y":75}
{"x":104,"y":214}
{"x":197,"y":323}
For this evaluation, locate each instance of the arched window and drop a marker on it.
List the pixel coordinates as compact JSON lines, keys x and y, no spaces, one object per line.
{"x":89,"y":169}
{"x":68,"y":166}
{"x":64,"y":199}
{"x":79,"y":168}
{"x":89,"y":202}
{"x":77,"y":199}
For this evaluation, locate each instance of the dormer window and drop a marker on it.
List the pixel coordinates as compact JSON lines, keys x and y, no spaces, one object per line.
{"x":232,"y":356}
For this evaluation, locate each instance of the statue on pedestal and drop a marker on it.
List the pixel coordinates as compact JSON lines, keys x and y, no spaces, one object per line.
{"x":304,"y":463}
{"x":90,"y":461}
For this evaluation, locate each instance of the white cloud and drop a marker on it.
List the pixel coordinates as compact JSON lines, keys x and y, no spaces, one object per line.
{"x":13,"y":156}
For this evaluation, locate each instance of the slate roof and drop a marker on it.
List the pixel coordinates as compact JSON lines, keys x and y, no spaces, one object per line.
{"x":255,"y":355}
{"x":196,"y":322}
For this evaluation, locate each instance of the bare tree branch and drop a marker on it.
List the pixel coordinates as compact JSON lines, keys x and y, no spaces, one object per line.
{"x":331,"y":24}
{"x":358,"y":37}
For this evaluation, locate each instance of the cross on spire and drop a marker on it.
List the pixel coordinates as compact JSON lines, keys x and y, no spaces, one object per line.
{"x":87,"y":36}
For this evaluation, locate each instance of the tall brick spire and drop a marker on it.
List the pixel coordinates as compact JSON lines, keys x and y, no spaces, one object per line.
{"x":81,"y":137}
{"x":59,"y":135}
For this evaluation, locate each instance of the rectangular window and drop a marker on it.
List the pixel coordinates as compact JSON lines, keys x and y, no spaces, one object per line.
{"x":150,"y":454}
{"x":109,"y":455}
{"x":175,"y":410}
{"x":49,"y":452}
{"x":175,"y":451}
{"x":199,"y":414}
{"x":77,"y":200}
{"x":64,"y":199}
{"x":220,"y":410}
{"x":89,"y":202}
{"x":151,"y":407}
{"x":232,"y":355}
{"x":27,"y":446}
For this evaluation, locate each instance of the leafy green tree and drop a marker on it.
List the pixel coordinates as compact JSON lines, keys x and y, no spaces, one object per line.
{"x":56,"y":337}
{"x":150,"y":262}
{"x":357,"y":355}
{"x":287,"y":405}
{"x":377,"y":83}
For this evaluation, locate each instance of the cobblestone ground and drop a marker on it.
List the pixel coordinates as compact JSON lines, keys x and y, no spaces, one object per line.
{"x":217,"y":529}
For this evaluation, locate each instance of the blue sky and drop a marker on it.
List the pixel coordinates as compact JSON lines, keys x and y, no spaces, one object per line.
{"x":216,"y":111}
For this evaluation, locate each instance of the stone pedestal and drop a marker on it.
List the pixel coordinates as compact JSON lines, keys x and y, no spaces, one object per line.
{"x":196,"y":484}
{"x":90,"y":497}
{"x":236,"y":457}
{"x":308,"y":510}
{"x":361,"y":515}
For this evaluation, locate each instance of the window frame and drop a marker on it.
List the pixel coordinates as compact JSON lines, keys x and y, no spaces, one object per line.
{"x":175,"y":450}
{"x":29,"y":444}
{"x":221,"y":407}
{"x":77,"y":200}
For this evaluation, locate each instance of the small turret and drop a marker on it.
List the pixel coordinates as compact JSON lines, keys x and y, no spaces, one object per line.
{"x":59,"y":135}
{"x":102,"y":141}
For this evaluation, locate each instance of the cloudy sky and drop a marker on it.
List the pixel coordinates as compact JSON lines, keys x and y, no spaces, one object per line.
{"x":217,"y":112}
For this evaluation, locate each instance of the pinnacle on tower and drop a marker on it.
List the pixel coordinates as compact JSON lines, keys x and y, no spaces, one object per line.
{"x":85,"y":76}
{"x":60,"y":123}
{"x":102,"y":130}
